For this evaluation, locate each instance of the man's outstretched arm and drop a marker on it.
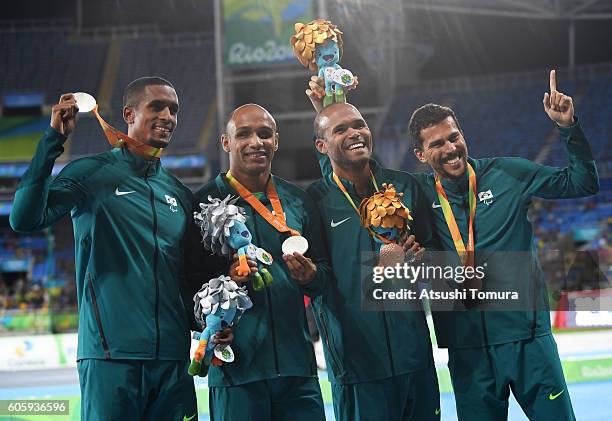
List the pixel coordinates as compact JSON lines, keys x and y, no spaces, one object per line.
{"x":40,"y":201}
{"x":580,"y":177}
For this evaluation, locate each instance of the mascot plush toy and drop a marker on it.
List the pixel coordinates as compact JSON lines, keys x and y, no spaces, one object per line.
{"x":222,"y":225}
{"x":385,"y":214}
{"x":318,"y":46}
{"x":218,"y":304}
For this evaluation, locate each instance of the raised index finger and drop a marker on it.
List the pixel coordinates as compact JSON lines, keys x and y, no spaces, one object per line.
{"x":553,"y":80}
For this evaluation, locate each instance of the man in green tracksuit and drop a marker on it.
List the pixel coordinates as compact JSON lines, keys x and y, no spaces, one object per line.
{"x":274,"y":375}
{"x":492,"y":350}
{"x":129,"y":216}
{"x":380,"y":362}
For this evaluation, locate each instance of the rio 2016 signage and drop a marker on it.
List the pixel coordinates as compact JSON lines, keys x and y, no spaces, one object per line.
{"x":257,"y":32}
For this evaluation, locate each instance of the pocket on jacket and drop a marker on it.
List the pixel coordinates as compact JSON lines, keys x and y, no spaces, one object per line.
{"x":95,"y":308}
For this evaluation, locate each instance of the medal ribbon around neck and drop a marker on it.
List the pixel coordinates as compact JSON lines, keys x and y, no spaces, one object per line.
{"x":466,"y":255}
{"x":117,"y":139}
{"x":350,"y":200}
{"x":276,"y":219}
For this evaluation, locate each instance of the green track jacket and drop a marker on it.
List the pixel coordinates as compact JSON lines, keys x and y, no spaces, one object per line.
{"x":129,"y":216}
{"x":271,"y":339}
{"x":504,"y":239}
{"x":360,"y":345}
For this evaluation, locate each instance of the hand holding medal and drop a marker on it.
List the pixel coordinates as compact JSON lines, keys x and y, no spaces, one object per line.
{"x":302,"y":269}
{"x":85,"y":102}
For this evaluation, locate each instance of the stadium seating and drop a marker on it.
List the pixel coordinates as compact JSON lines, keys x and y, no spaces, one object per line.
{"x":595,"y":112}
{"x":52,"y":62}
{"x":49,"y":62}
{"x":190,"y":68}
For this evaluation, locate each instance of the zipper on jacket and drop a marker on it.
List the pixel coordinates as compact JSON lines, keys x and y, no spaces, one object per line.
{"x":536,"y":297}
{"x":332,"y":351}
{"x":270,"y":312}
{"x":384,"y":313}
{"x":94,"y":302}
{"x":384,"y":316}
{"x":155,"y":255}
{"x":484,"y":328}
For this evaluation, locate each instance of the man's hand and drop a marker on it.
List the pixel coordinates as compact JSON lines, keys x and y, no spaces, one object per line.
{"x":558,"y":106}
{"x":316,"y":91}
{"x":224,"y":337}
{"x":301,"y":268}
{"x":233,"y":272}
{"x":63,"y":114}
{"x":411,"y":247}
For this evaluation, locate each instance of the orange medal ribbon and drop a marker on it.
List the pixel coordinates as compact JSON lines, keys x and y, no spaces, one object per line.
{"x":350,"y":200}
{"x":276,"y":219}
{"x":118,"y":139}
{"x":466,"y":254}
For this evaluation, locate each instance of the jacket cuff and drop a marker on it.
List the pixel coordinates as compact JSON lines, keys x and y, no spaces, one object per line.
{"x":569,"y":130}
{"x":577,"y":144}
{"x":54,"y":135}
{"x":314,"y":287}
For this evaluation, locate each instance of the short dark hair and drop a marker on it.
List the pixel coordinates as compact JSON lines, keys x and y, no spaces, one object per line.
{"x":133,"y":92}
{"x":427,"y":116}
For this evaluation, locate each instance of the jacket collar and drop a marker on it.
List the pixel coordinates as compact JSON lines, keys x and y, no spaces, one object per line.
{"x":140,"y":165}
{"x":460,"y":186}
{"x":225,"y":188}
{"x":327,"y":171}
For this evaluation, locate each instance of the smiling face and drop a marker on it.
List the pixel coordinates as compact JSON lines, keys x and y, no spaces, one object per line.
{"x":444,"y":149}
{"x":153,"y":119}
{"x":250,"y":140}
{"x":327,"y":54}
{"x":344,"y":136}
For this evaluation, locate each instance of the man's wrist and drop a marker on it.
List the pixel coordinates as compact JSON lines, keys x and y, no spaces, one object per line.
{"x":564,"y":126}
{"x":52,"y":132}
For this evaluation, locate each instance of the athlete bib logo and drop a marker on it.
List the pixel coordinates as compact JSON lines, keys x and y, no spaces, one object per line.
{"x":486,"y":197}
{"x":172,"y":202}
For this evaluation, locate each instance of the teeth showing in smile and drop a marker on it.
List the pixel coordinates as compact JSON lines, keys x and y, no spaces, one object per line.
{"x":257,"y":154}
{"x":453,"y":161}
{"x":163,"y":130}
{"x":356,"y":146}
